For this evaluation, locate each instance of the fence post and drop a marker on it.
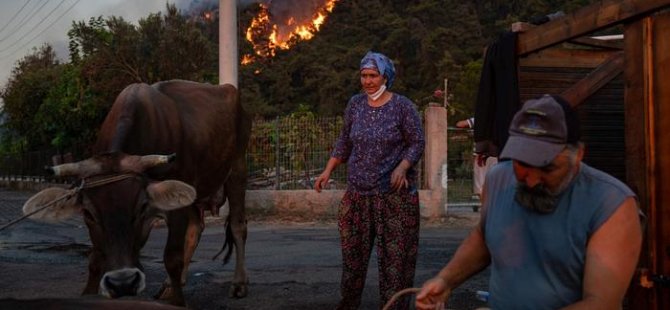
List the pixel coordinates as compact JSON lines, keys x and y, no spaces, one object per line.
{"x":435,"y":198}
{"x":277,"y":154}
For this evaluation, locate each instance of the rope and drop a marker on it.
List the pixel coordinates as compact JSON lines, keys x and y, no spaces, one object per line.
{"x":71,"y":193}
{"x":108,"y":180}
{"x":66,"y":196}
{"x":397,"y":295}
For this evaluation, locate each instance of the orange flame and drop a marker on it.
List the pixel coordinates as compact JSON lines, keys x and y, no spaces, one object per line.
{"x":247,"y":59}
{"x":267,"y":36}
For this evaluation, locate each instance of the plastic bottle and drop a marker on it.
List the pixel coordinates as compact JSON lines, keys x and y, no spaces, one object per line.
{"x":483,"y":296}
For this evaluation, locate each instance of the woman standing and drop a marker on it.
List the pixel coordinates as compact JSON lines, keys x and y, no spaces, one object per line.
{"x":381,"y":142}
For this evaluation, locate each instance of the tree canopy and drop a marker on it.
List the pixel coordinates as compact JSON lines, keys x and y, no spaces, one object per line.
{"x":48,"y":103}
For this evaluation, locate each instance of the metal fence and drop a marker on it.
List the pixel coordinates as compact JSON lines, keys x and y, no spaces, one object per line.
{"x":284,"y":153}
{"x":290,"y":152}
{"x":460,"y":166}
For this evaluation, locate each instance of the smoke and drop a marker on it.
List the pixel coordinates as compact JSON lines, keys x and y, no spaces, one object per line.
{"x":21,"y":42}
{"x":195,"y":6}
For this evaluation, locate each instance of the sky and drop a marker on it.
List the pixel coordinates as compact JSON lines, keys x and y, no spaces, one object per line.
{"x":48,"y":21}
{"x":28,"y":24}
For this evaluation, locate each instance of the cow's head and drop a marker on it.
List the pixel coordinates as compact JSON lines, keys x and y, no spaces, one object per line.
{"x":119,"y":205}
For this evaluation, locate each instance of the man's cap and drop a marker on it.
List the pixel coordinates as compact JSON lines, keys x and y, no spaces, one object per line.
{"x":541,"y":130}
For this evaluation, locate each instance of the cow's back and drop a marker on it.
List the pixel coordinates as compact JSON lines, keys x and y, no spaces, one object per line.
{"x":199,"y":122}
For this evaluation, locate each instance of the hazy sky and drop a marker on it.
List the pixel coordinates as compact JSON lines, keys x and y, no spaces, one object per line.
{"x":47,"y":21}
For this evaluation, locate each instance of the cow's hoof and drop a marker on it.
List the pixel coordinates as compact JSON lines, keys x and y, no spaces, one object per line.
{"x":238,"y":290}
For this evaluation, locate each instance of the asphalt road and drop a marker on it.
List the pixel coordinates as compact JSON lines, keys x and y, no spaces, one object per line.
{"x":291,"y":264}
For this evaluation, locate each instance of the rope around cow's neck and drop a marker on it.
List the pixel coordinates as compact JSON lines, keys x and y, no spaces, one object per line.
{"x":70,"y":194}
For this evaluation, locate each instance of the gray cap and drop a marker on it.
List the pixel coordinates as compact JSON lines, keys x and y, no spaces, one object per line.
{"x":541,"y":130}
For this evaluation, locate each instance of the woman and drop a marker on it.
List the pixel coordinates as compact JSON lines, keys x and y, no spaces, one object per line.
{"x":381,"y":142}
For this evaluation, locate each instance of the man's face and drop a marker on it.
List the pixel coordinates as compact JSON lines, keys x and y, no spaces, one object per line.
{"x":539,"y":187}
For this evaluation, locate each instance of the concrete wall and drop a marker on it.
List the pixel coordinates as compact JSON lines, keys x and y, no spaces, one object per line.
{"x":309,"y":203}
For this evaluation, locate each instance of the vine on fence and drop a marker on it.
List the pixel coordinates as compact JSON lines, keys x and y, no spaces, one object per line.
{"x":288,"y":152}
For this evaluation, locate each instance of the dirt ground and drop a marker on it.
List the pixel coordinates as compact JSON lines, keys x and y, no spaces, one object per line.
{"x":293,"y":263}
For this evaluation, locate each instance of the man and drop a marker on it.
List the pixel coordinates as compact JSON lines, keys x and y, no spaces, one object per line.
{"x":481,"y":164}
{"x":556,"y":232}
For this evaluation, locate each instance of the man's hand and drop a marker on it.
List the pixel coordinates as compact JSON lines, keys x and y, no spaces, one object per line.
{"x":462,"y":124}
{"x":433,"y":295}
{"x":481,"y":159}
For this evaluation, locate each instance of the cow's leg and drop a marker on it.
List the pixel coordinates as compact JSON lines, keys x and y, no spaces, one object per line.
{"x":196,"y":224}
{"x":173,"y":256}
{"x":235,"y":189}
{"x":94,"y":273}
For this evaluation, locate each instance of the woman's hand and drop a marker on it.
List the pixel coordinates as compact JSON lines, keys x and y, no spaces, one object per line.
{"x":399,"y":176}
{"x":321,"y":181}
{"x":433,"y":295}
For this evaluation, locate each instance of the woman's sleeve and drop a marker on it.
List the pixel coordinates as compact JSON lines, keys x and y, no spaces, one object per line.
{"x":342,"y":148}
{"x":413,"y":133}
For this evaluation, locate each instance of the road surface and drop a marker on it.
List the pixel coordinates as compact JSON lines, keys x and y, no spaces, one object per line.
{"x":292,"y":264}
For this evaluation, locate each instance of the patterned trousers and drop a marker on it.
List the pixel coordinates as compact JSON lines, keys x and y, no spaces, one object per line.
{"x":389,"y":221}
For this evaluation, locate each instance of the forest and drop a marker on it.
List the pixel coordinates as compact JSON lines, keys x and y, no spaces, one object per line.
{"x":52,"y":103}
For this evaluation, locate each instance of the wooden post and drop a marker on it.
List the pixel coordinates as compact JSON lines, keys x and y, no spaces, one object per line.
{"x":636,"y":140}
{"x":647,"y":161}
{"x":658,"y":59}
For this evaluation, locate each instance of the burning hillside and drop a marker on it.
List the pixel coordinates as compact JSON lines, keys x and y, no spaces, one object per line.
{"x":279,"y":24}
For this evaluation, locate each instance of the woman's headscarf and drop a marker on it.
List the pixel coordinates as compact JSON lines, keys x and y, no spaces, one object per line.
{"x":381,"y":63}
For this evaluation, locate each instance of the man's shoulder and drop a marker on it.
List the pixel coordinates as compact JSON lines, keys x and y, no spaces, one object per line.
{"x":501,"y":173}
{"x":597,"y":177}
{"x":501,"y":168}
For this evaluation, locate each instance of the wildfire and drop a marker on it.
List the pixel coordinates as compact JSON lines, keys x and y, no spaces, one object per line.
{"x":247,"y":59}
{"x":268,"y":35}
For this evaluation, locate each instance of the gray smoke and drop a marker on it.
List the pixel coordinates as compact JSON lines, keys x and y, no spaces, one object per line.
{"x":196,"y":6}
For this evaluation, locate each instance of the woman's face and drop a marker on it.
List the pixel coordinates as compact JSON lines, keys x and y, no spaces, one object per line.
{"x":371,"y":80}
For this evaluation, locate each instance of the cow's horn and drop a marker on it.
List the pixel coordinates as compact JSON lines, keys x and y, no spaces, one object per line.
{"x":148,"y":161}
{"x":65,"y":169}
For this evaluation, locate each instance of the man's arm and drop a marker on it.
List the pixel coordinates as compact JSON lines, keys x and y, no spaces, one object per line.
{"x":471,"y":257}
{"x":611,"y":257}
{"x":466,"y":123}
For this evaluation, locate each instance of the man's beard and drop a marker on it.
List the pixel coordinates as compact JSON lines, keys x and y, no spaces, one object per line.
{"x":539,"y":198}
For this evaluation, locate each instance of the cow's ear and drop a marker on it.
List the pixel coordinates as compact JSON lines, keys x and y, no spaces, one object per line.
{"x":60,"y":208}
{"x":171,"y":194}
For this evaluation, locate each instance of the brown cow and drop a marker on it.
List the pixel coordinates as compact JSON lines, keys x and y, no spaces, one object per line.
{"x":121,"y":193}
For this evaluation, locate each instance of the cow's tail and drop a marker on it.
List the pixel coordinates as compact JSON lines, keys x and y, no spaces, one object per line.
{"x":228,"y":243}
